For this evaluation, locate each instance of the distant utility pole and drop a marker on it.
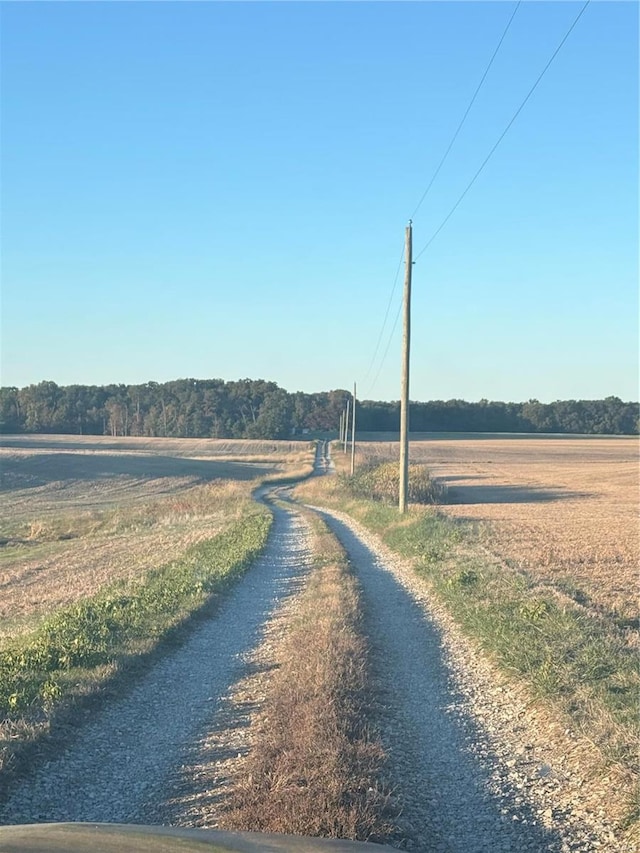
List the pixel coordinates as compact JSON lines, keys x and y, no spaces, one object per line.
{"x":346,"y":426}
{"x":353,"y":432}
{"x":404,"y":392}
{"x":341,"y":426}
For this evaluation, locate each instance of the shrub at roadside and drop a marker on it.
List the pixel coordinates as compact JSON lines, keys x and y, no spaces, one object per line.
{"x":380,"y":482}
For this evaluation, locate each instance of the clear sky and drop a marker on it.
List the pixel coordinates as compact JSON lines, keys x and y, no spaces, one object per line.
{"x":221,"y":190}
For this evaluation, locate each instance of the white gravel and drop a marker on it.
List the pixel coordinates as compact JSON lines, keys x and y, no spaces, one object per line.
{"x":117,"y":768}
{"x":468,"y":768}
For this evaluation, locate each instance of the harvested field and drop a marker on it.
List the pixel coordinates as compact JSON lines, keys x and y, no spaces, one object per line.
{"x":562,"y":509}
{"x":78,"y":512}
{"x":49,"y":474}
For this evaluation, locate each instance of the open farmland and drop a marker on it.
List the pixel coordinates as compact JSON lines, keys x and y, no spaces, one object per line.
{"x":533,"y":553}
{"x":474,"y":759}
{"x":562,"y":509}
{"x":79,"y":512}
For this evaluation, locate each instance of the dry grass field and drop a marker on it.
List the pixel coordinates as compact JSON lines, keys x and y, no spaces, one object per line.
{"x":78,"y":512}
{"x":542,"y":576}
{"x":562,"y":509}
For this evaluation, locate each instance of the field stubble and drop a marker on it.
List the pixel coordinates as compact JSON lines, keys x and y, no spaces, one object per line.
{"x":79,"y":512}
{"x":535,"y":557}
{"x":562,"y":510}
{"x":107,"y":548}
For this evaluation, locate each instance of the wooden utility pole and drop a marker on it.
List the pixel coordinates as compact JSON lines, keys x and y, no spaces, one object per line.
{"x":353,"y":432}
{"x":346,"y":426}
{"x":340,"y":427}
{"x":404,"y":393}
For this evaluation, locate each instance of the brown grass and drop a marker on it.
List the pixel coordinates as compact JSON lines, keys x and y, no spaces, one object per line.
{"x":39,"y":475}
{"x":44,"y":572}
{"x":563,"y":510}
{"x":518,"y":493}
{"x":79,"y":512}
{"x":315,"y":765}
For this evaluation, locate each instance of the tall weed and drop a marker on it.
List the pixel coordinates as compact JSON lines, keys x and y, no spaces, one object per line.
{"x":379,"y":481}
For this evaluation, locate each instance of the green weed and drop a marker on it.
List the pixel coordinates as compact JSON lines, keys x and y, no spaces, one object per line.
{"x":111,"y":624}
{"x":577,"y":661}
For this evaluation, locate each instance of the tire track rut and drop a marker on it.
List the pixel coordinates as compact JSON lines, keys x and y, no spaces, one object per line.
{"x":456,"y":782}
{"x":461,"y":754}
{"x":120,"y":766}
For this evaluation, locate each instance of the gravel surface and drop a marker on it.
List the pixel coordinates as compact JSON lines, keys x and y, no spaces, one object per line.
{"x":470,"y":768}
{"x":197,"y":790}
{"x":120,"y":766}
{"x":473,"y":767}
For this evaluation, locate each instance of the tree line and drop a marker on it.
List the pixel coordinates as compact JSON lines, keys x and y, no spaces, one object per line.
{"x":255,"y":408}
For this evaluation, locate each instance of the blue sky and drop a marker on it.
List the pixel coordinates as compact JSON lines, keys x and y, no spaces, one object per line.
{"x":221,"y":190}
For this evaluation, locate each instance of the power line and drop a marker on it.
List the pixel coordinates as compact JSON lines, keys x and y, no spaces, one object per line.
{"x":473,"y":180}
{"x":386,"y":352}
{"x":464,"y":117}
{"x":424,"y":195}
{"x":386,"y":317}
{"x":503,"y":134}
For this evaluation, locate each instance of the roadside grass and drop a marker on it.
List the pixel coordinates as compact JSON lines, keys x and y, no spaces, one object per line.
{"x":300,"y":469}
{"x":51,"y":526}
{"x":316,"y":765}
{"x":94,"y":589}
{"x":76,"y":650}
{"x":71,"y":556}
{"x":379,"y":481}
{"x":578,"y":663}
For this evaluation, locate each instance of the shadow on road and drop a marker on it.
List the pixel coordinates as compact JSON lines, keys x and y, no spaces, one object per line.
{"x":455,"y":792}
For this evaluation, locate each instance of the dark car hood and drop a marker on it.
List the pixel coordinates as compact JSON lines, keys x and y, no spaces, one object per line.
{"x":129,"y":838}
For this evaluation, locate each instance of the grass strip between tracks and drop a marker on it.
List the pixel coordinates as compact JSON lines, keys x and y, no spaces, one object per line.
{"x":80,"y":647}
{"x":579,"y":665}
{"x":315,"y":765}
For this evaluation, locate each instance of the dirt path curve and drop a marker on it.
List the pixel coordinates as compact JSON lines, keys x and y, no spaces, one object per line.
{"x":117,"y":768}
{"x":323,"y":462}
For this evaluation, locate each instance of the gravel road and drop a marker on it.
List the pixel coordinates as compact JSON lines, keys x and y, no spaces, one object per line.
{"x":117,"y":768}
{"x":467,"y":767}
{"x":471,"y":771}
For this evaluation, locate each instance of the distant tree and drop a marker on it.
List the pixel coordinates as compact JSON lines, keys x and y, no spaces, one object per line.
{"x":40,"y":403}
{"x":258,"y":408}
{"x":11,"y":419}
{"x":274,"y":419}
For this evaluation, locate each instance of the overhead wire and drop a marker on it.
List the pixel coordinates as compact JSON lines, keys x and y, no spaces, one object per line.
{"x":424,"y":195}
{"x":475,"y":177}
{"x":467,"y":111}
{"x":386,"y":317}
{"x":503,"y":134}
{"x":386,"y":352}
